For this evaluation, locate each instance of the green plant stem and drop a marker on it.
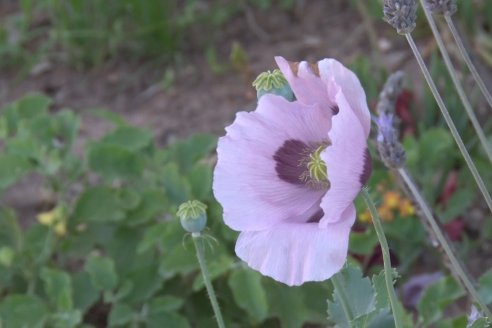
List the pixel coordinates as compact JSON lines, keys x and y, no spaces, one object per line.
{"x":468,"y":61}
{"x":388,"y":271}
{"x":457,"y":83}
{"x":455,"y":264}
{"x":449,"y":121}
{"x":206,"y":279}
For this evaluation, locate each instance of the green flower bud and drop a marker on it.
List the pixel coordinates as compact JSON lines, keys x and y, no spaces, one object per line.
{"x":273,"y":83}
{"x":193,"y":216}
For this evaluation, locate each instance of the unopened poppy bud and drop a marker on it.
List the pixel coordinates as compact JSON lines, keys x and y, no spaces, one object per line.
{"x":401,"y":14}
{"x":273,"y":82}
{"x":442,"y":7}
{"x":193,"y":216}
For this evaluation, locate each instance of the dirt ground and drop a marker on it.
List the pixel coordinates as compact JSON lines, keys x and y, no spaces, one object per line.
{"x":200,"y":100}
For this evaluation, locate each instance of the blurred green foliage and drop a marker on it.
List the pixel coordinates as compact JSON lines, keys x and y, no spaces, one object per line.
{"x":106,"y":248}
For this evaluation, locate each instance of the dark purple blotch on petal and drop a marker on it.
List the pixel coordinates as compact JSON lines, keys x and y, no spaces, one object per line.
{"x":367,"y":169}
{"x":288,"y":159}
{"x":316,"y":216}
{"x":335,"y":109}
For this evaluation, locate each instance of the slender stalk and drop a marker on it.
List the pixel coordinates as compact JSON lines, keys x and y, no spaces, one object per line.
{"x":449,"y":121}
{"x":468,"y":61}
{"x":388,"y":271}
{"x":457,"y":83}
{"x":455,"y":264}
{"x":206,"y":279}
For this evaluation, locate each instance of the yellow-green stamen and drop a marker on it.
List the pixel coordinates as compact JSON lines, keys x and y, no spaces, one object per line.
{"x":317,"y":171}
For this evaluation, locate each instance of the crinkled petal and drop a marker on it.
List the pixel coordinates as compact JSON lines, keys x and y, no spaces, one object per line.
{"x":333,"y":70}
{"x":294,"y":253}
{"x":310,"y":81}
{"x":347,"y":160}
{"x":245,"y":180}
{"x":306,"y":83}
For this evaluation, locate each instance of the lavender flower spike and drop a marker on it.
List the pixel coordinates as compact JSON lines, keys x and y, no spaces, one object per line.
{"x":442,"y":7}
{"x":390,"y":149}
{"x":401,"y":14}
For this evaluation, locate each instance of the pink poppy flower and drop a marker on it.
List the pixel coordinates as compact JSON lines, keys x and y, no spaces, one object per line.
{"x":288,"y":173}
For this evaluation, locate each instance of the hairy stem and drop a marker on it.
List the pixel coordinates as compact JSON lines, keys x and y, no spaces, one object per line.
{"x":449,"y":122}
{"x":468,"y":61}
{"x":455,"y":264}
{"x":388,"y":271}
{"x":206,"y":279}
{"x":457,"y":83}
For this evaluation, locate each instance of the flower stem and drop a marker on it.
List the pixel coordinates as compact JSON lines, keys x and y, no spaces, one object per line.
{"x":455,"y":264}
{"x":449,"y":121}
{"x":457,"y":83}
{"x":388,"y":271}
{"x":206,"y":278}
{"x":468,"y":61}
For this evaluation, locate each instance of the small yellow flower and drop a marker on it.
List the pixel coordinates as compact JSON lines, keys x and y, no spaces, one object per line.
{"x":392,"y":199}
{"x":385,"y":213}
{"x":406,"y":208}
{"x":54,"y":219}
{"x":48,"y":218}
{"x":365,"y":216}
{"x":60,"y":228}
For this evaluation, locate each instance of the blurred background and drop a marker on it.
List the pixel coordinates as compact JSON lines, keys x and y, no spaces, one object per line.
{"x":173,"y":74}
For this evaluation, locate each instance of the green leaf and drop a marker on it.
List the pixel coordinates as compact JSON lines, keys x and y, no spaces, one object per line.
{"x":189,"y":151}
{"x":99,"y":204}
{"x":10,"y":232}
{"x":248,"y":293}
{"x":459,"y":202}
{"x":121,"y":314}
{"x":131,"y":138}
{"x":146,"y":281}
{"x":181,"y":259}
{"x":153,"y":203}
{"x":58,"y":287}
{"x":436,"y":297}
{"x":177,"y":187}
{"x":32,"y":105}
{"x":102,"y":272}
{"x":355,"y":292}
{"x":200,"y":178}
{"x":379,"y":284}
{"x":166,"y":303}
{"x":21,"y":311}
{"x":293,"y":306}
{"x":114,"y":161}
{"x":12,"y":169}
{"x":84,"y":292}
{"x":363,"y":242}
{"x":485,"y":290}
{"x":152,"y":237}
{"x":155,"y":320}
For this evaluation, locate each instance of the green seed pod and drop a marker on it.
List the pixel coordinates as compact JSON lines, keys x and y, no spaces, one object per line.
{"x":193,"y":216}
{"x":273,"y":82}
